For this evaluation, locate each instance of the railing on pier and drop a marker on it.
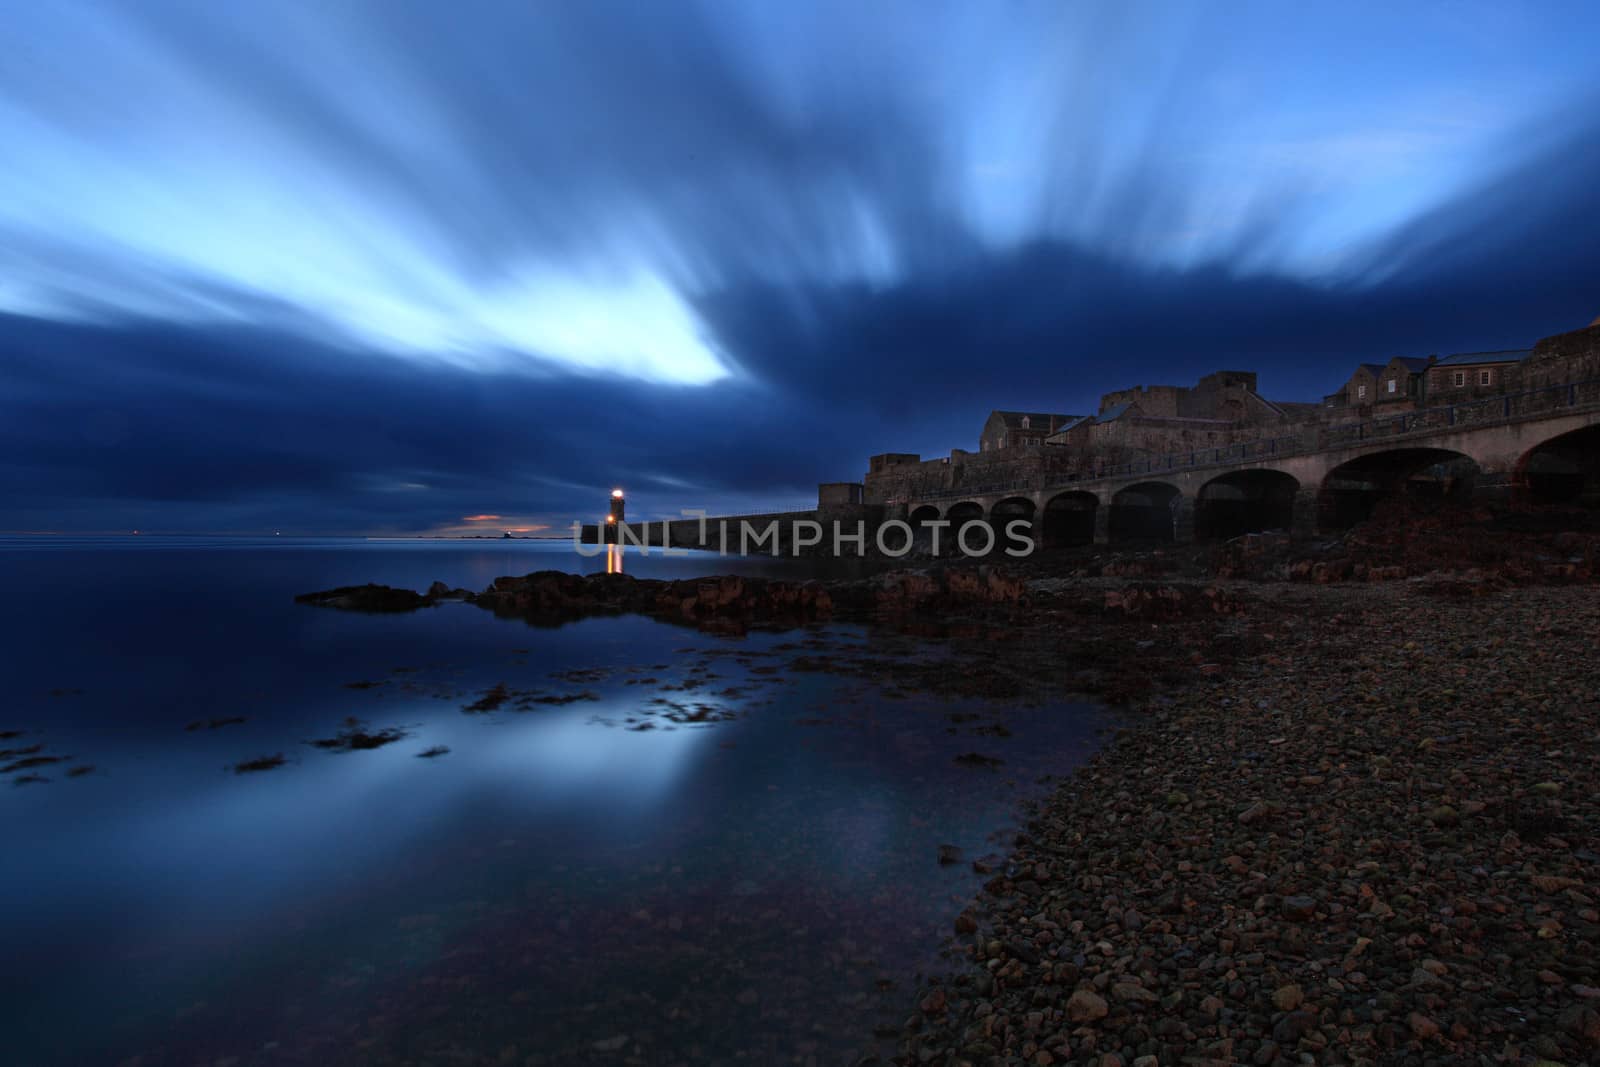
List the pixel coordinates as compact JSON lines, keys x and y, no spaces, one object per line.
{"x":1468,"y":414}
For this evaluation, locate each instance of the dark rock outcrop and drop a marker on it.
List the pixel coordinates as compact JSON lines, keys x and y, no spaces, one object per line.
{"x":369,"y":597}
{"x":727,"y":602}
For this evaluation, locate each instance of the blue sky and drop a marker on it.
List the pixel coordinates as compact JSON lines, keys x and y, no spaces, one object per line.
{"x":377,"y":266}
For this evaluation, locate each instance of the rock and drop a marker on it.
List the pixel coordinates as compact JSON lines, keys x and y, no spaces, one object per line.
{"x":1086,"y":1006}
{"x":1288,"y":997}
{"x":1256,"y":812}
{"x":949,"y":854}
{"x":1422,"y":1027}
{"x":1582,"y":1022}
{"x":1427,"y":981}
{"x":1133,"y":993}
{"x":370,"y":598}
{"x":1298,"y":908}
{"x":1022,"y":951}
{"x":1292,"y":1027}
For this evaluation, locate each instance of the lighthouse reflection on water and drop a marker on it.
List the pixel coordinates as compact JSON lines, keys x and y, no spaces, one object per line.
{"x":611,"y":538}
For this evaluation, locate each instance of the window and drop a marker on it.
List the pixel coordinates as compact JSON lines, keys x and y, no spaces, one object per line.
{"x":1025,"y":422}
{"x":1392,"y":384}
{"x":1485,"y":377}
{"x":1458,"y":378}
{"x":1361,"y":392}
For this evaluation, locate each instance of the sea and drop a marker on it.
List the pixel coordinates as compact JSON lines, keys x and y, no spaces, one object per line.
{"x":238,"y":830}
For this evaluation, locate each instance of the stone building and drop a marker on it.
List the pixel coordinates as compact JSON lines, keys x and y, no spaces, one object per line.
{"x":1404,"y":381}
{"x":1472,"y":374}
{"x":1397,"y":385}
{"x":1018,"y":446}
{"x":1019,"y":429}
{"x":1360,"y":389}
{"x":1019,"y":449}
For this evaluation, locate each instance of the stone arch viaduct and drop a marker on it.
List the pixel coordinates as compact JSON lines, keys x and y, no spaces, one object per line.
{"x":1543,"y":444}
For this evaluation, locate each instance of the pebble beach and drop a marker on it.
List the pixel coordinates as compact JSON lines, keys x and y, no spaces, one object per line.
{"x":1363,"y":830}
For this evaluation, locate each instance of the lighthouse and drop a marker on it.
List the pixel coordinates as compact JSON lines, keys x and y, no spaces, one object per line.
{"x":614,"y":517}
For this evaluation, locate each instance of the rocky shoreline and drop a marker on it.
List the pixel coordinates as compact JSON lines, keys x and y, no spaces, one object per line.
{"x":1353,"y":818}
{"x":1369,"y":838}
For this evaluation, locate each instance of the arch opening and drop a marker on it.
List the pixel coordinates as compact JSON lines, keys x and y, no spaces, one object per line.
{"x":1145,"y":512}
{"x":1069,"y":518}
{"x":1242,"y":502}
{"x":1008,"y":511}
{"x":1564,"y":471}
{"x":1430,"y":477}
{"x":960,"y":515}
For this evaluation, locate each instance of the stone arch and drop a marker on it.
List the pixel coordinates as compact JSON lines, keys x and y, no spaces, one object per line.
{"x":961,"y":515}
{"x":1352,"y":491}
{"x":1247,"y":501}
{"x":1009,"y":510}
{"x":1069,"y":518}
{"x":922,"y":515}
{"x":1145,"y":512}
{"x":1563,"y":470}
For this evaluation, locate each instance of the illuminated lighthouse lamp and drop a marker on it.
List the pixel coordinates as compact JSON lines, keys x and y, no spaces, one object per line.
{"x":614,"y":534}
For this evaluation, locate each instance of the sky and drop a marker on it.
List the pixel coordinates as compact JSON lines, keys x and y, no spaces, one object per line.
{"x":393,"y":266}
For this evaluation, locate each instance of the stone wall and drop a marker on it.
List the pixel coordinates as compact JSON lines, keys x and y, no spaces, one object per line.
{"x":1566,"y":357}
{"x":1152,"y":400}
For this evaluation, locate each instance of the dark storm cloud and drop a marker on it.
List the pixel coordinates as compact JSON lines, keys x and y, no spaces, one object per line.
{"x":372,"y":265}
{"x":1505,"y":262}
{"x":167,"y":427}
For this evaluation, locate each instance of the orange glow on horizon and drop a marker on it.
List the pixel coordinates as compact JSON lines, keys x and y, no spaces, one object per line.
{"x":479,"y":518}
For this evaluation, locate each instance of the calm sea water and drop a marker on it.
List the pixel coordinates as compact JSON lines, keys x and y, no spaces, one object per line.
{"x":649,"y":845}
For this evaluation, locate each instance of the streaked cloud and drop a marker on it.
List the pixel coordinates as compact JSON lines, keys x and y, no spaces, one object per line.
{"x":380,"y":264}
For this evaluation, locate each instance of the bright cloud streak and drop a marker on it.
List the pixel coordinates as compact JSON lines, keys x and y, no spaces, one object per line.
{"x":558,"y":188}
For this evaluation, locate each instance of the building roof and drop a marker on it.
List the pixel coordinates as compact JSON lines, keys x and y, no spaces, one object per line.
{"x":1374,"y":369}
{"x":1036,"y":420}
{"x":1464,"y":359}
{"x":1414,"y":364}
{"x":1112,"y":413}
{"x":1073,"y":425}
